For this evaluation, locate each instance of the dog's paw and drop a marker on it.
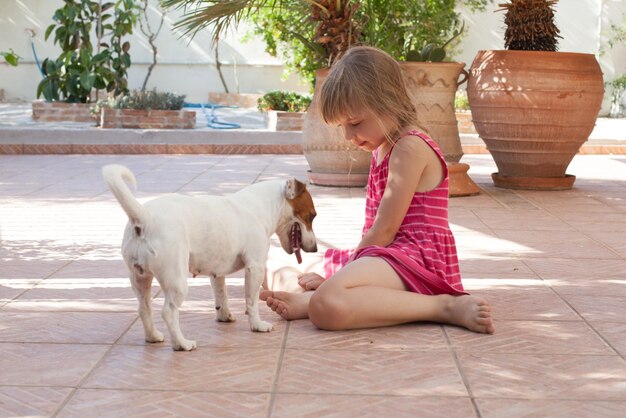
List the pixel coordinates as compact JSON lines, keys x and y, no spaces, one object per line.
{"x":157,"y":337}
{"x":262,"y":326}
{"x":225,"y":316}
{"x":185,"y":345}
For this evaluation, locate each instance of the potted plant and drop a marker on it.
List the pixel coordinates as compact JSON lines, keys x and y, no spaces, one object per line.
{"x":618,"y":96}
{"x":314,"y":34}
{"x":85,"y":65}
{"x":284,"y":110}
{"x":532,"y":106}
{"x":145,"y":110}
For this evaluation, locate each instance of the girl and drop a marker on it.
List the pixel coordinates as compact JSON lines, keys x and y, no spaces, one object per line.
{"x":405,"y":268}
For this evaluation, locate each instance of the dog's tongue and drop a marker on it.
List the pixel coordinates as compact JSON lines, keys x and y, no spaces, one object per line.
{"x":296,"y":238}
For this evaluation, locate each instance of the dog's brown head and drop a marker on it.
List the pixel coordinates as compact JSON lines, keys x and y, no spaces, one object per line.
{"x":297,"y":230}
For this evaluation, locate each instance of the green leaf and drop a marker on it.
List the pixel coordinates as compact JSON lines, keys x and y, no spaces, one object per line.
{"x":50,"y":67}
{"x":414,"y":56}
{"x":437,"y":55}
{"x":87,"y":80}
{"x":49,"y":31}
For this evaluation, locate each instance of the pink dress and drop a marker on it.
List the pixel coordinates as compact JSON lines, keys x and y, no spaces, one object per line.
{"x":423,"y":253}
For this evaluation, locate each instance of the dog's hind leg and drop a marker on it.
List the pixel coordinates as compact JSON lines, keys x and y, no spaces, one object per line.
{"x":221,"y":299}
{"x":254,"y":280}
{"x":175,"y":288}
{"x":142,"y":286}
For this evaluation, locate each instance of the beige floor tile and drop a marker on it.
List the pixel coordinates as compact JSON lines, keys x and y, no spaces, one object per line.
{"x":207,"y":332}
{"x":544,"y":376}
{"x":416,"y":337}
{"x":521,"y":300}
{"x":370,"y":372}
{"x":26,"y":364}
{"x":556,"y":244}
{"x":78,"y":295}
{"x":599,"y":308}
{"x":529,"y":337}
{"x":158,"y":367}
{"x":64,"y":327}
{"x":351,"y":406}
{"x":137,"y":403}
{"x":522,"y":408}
{"x":590,"y":286}
{"x":575,"y":267}
{"x":31,"y":401}
{"x":614,"y":333}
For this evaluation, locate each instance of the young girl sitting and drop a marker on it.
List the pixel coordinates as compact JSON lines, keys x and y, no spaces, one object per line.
{"x":405,"y":268}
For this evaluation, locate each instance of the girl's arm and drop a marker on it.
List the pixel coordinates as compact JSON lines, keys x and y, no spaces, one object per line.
{"x":407,"y":163}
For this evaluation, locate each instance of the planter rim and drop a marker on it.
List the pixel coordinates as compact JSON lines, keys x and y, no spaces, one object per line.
{"x":432,"y":64}
{"x":517,"y":52}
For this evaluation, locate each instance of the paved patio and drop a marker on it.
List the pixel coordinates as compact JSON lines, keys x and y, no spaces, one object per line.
{"x":553,"y":265}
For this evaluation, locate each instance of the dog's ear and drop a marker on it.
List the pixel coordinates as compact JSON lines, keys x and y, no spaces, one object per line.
{"x":294,"y":188}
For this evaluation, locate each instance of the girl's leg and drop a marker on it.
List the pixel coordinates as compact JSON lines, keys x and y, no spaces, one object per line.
{"x":368,"y":293}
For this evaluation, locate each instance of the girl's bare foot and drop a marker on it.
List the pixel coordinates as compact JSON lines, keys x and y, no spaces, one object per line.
{"x":310,"y":281}
{"x":290,"y":306}
{"x":471,"y":312}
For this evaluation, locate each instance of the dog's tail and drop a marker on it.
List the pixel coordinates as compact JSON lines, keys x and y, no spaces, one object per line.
{"x":116,"y":176}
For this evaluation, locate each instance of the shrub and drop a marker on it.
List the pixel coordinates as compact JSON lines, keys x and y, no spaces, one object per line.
{"x":460,"y":101}
{"x":150,"y":99}
{"x":285,"y":101}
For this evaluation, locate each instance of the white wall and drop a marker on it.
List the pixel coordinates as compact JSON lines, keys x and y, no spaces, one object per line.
{"x":189,"y":68}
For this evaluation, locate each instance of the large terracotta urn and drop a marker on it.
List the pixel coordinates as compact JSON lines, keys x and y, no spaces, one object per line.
{"x":333,"y":161}
{"x":432,"y":87}
{"x":533,"y":110}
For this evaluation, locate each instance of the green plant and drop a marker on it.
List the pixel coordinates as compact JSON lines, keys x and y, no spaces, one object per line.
{"x":530,"y":25}
{"x":285,"y":101}
{"x":79,"y":68}
{"x":293,"y":30}
{"x":11,"y":57}
{"x":430,"y":52}
{"x":618,"y":87}
{"x":147,"y":99}
{"x":461,"y":101}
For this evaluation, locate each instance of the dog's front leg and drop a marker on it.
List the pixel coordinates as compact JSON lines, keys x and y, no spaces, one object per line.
{"x":254,"y":279}
{"x":221,"y":299}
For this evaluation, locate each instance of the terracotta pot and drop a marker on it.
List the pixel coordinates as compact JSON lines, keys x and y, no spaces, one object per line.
{"x":432,"y":87}
{"x":534,"y":110}
{"x":333,"y":161}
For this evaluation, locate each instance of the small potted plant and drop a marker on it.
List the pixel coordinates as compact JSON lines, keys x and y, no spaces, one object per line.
{"x":284,"y":110}
{"x":145,"y":110}
{"x":618,"y":97}
{"x":531,"y":105}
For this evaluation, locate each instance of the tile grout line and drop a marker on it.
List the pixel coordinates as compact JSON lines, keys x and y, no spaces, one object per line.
{"x":460,"y":370}
{"x":95,"y":366}
{"x":558,"y":295}
{"x":279,"y":367}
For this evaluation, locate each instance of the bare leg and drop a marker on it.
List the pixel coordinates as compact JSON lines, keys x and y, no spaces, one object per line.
{"x":368,"y":293}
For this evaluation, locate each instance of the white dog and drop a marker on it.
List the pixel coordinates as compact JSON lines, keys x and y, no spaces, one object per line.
{"x":173,"y":235}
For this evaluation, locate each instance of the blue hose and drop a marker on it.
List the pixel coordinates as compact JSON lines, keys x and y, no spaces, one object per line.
{"x":212,"y":121}
{"x":32,"y":46}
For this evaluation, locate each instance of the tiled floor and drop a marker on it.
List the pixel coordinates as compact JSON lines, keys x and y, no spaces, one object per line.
{"x":553,"y":265}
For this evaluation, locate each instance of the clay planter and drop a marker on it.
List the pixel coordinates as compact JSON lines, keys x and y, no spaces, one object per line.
{"x":534,"y":110}
{"x":333,"y":161}
{"x":62,"y":112}
{"x":432,"y":87}
{"x":147,"y":119}
{"x":284,"y":121}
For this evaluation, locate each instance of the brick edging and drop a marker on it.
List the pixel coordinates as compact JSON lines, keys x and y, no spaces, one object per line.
{"x":222,"y":149}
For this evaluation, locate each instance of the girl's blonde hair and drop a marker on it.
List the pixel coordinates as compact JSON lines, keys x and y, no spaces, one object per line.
{"x":369,"y":79}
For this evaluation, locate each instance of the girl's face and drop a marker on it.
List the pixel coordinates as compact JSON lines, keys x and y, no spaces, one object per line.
{"x":364,"y":130}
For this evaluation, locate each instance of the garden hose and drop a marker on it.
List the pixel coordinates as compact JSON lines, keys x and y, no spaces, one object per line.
{"x":212,"y":121}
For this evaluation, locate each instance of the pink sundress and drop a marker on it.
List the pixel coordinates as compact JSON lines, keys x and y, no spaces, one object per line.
{"x":423,"y":253}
